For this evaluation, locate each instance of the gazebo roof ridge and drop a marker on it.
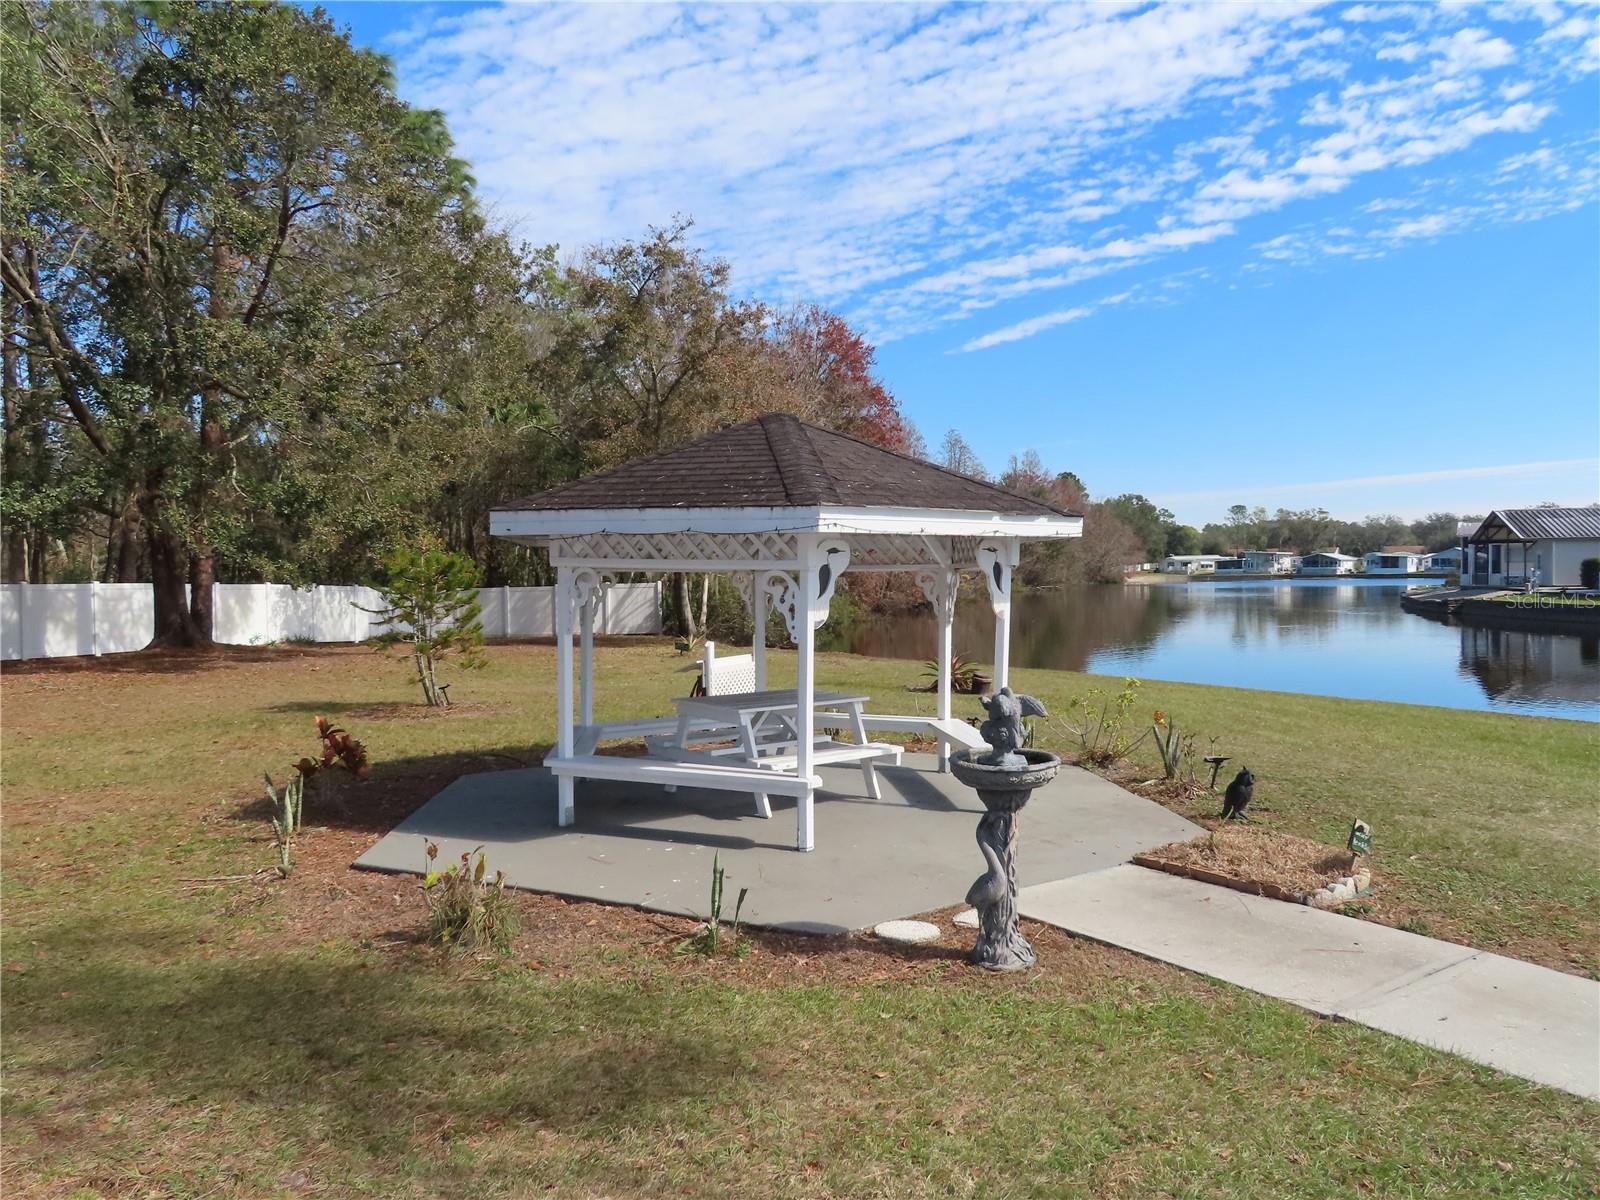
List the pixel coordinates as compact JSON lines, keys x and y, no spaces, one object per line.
{"x":943,"y":470}
{"x":777,"y":460}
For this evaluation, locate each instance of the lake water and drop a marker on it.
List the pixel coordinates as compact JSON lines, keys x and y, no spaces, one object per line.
{"x":1326,"y":637}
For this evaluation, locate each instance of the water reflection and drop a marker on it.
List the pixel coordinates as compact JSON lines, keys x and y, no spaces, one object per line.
{"x":1518,"y":668}
{"x":1324,"y":637}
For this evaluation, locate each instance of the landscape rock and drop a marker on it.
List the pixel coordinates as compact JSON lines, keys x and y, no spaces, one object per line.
{"x":967,"y":918}
{"x":906,"y":933}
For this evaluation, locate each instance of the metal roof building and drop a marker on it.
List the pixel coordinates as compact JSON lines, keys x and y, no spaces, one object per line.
{"x":1537,"y":525}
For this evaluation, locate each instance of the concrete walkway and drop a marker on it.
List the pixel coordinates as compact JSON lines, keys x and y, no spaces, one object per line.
{"x":1525,"y":1020}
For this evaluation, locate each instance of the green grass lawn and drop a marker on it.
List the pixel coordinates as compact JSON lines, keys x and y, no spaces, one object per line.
{"x":171,"y":1030}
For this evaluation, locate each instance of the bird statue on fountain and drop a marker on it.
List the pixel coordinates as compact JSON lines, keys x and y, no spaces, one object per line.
{"x":1004,"y":730}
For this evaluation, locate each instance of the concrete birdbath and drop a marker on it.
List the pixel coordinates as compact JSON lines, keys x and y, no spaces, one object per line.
{"x":1004,"y":779}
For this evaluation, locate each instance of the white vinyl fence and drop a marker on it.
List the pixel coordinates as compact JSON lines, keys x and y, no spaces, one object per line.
{"x":54,"y":620}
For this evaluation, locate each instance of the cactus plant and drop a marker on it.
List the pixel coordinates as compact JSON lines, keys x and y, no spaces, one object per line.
{"x":1169,"y":742}
{"x":287,"y":805}
{"x":709,"y":938}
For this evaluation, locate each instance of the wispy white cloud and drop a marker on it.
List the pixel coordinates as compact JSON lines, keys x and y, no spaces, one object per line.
{"x":1552,"y":178}
{"x":1026,"y":329}
{"x":914,"y":166}
{"x":1409,"y":477}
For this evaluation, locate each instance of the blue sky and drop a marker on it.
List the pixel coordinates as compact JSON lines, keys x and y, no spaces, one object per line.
{"x":1342,"y":255}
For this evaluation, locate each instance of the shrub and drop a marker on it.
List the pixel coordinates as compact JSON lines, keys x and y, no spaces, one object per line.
{"x":1589,"y":573}
{"x":339,"y":749}
{"x":1096,"y":720}
{"x":431,"y":597}
{"x":466,"y":910}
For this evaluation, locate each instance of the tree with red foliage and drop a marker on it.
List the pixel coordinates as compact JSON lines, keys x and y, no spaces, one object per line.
{"x":825,"y":373}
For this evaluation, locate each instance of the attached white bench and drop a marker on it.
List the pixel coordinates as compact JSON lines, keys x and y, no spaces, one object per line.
{"x":825,"y":750}
{"x":586,"y":737}
{"x":681,"y":774}
{"x":949,"y":732}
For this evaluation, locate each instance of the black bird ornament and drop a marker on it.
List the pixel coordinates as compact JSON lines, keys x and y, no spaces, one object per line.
{"x":1238,"y":796}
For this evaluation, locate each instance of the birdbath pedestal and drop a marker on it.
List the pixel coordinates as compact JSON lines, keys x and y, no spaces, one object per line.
{"x":1003,"y":781}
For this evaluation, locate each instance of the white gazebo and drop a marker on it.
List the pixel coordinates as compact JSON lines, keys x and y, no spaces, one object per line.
{"x":784,"y":508}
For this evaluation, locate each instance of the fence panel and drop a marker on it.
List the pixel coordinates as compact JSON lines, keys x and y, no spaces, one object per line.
{"x":124,"y":617}
{"x":57,"y":620}
{"x":493,"y":606}
{"x":10,"y":621}
{"x":531,"y":612}
{"x":241,"y":614}
{"x":64,"y":619}
{"x":632,"y":608}
{"x":337,"y":613}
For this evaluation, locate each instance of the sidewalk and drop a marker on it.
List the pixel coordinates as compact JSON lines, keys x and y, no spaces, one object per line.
{"x":1525,"y":1020}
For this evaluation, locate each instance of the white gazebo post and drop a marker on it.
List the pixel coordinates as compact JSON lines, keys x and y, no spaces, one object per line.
{"x":758,"y":630}
{"x":587,"y":593}
{"x":940,"y":588}
{"x":821,"y":562}
{"x":564,"y":604}
{"x":805,"y":638}
{"x":996,"y":559}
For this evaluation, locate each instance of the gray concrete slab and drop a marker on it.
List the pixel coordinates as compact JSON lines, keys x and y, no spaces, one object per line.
{"x":911,"y":852}
{"x":1514,"y":1016}
{"x":1519,"y":1018}
{"x":1304,"y":955}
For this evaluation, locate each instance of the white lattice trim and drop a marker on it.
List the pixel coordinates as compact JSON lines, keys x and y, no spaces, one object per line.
{"x":685,"y":546}
{"x":727,"y":551}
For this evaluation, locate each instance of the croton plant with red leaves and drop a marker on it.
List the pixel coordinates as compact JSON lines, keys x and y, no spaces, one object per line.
{"x":338,"y":749}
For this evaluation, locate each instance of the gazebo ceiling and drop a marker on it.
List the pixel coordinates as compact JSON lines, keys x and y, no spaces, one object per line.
{"x":743,"y":497}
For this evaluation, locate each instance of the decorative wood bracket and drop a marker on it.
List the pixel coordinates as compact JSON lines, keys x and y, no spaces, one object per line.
{"x":782,"y":592}
{"x":940,"y":588}
{"x":835,"y":561}
{"x":752,"y":590}
{"x":586,"y":587}
{"x":996,"y":560}
{"x":785,"y":593}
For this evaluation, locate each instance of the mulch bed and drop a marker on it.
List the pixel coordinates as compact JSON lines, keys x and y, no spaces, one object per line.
{"x":325,"y":899}
{"x":1252,"y":859}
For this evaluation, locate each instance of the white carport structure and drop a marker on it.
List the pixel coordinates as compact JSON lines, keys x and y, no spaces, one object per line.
{"x":785,"y":509}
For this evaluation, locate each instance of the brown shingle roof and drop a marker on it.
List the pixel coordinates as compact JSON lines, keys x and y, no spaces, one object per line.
{"x":780,"y":461}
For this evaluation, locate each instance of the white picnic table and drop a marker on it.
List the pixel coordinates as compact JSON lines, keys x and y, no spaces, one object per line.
{"x":760,"y":730}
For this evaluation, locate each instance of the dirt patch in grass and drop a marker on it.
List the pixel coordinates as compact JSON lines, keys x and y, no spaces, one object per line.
{"x":420,"y":712}
{"x":1279,"y":864}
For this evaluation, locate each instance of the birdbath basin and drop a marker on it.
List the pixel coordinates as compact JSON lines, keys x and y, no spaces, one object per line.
{"x":1003,"y":781}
